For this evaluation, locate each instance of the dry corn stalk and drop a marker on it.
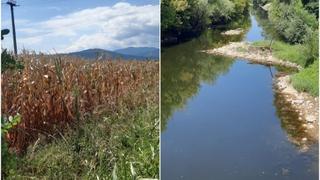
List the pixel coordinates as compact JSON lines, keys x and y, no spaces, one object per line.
{"x":52,"y":92}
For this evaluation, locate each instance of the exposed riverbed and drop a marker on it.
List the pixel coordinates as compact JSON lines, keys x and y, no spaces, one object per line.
{"x":221,"y":118}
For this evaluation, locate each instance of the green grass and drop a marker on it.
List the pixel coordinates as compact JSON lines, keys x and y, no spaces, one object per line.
{"x":307,"y":79}
{"x":124,"y":145}
{"x":287,"y":52}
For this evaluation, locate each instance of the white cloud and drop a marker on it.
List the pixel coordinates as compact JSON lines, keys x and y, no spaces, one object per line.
{"x":107,"y":27}
{"x":29,"y":41}
{"x":28,"y":30}
{"x":101,"y":40}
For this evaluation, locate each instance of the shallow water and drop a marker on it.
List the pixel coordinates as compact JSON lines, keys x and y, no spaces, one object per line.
{"x":222,"y":120}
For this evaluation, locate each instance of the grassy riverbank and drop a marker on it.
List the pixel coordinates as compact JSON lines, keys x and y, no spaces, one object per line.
{"x":80,"y":119}
{"x":307,"y":79}
{"x":284,"y":51}
{"x":293,"y":25}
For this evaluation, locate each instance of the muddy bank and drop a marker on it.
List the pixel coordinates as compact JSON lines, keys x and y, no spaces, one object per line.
{"x":305,"y":106}
{"x":245,"y":51}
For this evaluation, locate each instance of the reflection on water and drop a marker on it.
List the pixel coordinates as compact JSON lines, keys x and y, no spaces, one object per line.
{"x":295,"y":128}
{"x":261,"y":18}
{"x":183,"y":68}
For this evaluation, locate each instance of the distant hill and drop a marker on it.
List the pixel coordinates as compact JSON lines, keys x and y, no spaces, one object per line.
{"x":127,"y":54}
{"x":148,"y":52}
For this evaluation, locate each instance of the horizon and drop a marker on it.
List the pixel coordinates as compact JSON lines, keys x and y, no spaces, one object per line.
{"x":50,"y":53}
{"x":108,"y":25}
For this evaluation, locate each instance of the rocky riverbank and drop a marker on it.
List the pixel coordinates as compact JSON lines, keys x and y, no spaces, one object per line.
{"x":305,"y":105}
{"x":233,"y":32}
{"x":245,"y":51}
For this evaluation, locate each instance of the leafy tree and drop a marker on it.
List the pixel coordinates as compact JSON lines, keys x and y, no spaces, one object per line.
{"x":221,"y":10}
{"x":168,"y":15}
{"x":182,"y":19}
{"x":311,"y":47}
{"x":312,"y":6}
{"x":291,"y":21}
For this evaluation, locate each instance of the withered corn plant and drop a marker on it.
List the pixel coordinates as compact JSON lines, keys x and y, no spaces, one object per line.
{"x":55,"y":92}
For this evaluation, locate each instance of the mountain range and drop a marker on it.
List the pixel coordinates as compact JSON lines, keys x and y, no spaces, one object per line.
{"x":130,"y":53}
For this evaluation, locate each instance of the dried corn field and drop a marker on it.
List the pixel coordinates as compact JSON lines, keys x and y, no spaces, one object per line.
{"x":52,"y":93}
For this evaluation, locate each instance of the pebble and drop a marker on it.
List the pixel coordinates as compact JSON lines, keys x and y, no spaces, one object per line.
{"x":310,"y":126}
{"x":304,"y":148}
{"x":298,"y":101}
{"x":309,"y":119}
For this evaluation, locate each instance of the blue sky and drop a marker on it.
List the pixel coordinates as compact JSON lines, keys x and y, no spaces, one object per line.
{"x":73,"y":25}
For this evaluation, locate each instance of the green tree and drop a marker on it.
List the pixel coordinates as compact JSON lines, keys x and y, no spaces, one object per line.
{"x":291,"y":20}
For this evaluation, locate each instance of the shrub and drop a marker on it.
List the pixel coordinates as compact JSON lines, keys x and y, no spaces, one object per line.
{"x":312,"y":6}
{"x":168,"y":16}
{"x":9,"y":160}
{"x":307,"y":79}
{"x":311,"y":47}
{"x":291,"y":21}
{"x":221,"y":10}
{"x":183,"y":19}
{"x":194,"y":19}
{"x":241,"y":7}
{"x":9,"y":62}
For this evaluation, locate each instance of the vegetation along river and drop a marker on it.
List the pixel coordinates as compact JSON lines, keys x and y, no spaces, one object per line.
{"x":221,"y":118}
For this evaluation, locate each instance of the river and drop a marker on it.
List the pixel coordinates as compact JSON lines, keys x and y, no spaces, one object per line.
{"x":222,"y":120}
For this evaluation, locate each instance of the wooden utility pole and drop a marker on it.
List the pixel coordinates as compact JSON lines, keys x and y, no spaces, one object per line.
{"x":12,"y":3}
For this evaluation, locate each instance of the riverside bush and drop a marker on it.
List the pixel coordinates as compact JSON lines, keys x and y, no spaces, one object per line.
{"x":307,"y":79}
{"x":292,"y":21}
{"x":188,"y":18}
{"x":183,"y":20}
{"x":311,"y":47}
{"x":221,"y":10}
{"x":312,"y":6}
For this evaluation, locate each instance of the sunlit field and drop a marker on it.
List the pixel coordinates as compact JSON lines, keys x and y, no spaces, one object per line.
{"x":82,"y":118}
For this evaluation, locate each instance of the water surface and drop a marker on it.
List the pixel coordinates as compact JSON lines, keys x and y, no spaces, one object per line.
{"x":220,"y":118}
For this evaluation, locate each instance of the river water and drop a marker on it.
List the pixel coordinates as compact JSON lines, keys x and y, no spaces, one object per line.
{"x":221,"y":119}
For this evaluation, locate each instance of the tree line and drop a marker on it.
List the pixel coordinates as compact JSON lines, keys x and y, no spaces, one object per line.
{"x":295,"y":22}
{"x":181,"y":19}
